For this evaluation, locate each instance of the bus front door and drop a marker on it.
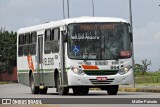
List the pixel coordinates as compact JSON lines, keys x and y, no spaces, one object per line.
{"x":40,"y":61}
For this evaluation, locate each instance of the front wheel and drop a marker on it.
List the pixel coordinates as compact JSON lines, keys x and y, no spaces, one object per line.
{"x":112,"y":89}
{"x":61,"y":90}
{"x":34,"y":89}
{"x":43,"y":91}
{"x":80,"y":90}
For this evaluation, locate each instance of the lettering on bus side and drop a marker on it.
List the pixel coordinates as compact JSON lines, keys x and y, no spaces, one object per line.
{"x":48,"y":61}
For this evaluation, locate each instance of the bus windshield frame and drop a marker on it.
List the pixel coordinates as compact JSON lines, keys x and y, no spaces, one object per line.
{"x":98,"y":41}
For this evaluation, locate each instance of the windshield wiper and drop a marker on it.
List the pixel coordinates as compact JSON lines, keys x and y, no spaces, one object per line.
{"x":114,"y":56}
{"x":86,"y":58}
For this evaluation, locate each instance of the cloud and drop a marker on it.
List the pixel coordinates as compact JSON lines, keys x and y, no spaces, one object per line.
{"x":147,"y":43}
{"x":14,"y":14}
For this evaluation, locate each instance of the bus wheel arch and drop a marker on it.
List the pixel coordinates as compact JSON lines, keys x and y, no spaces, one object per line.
{"x":56,"y":73}
{"x":61,"y":90}
{"x":34,"y":89}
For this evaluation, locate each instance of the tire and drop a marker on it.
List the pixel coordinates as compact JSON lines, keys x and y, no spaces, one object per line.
{"x":80,"y":90}
{"x":43,"y":91}
{"x":113,"y":89}
{"x":61,"y":90}
{"x":34,"y":89}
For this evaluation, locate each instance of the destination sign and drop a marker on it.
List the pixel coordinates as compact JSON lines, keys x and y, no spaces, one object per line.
{"x":97,"y":26}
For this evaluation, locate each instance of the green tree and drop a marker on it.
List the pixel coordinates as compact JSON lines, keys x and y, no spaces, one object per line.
{"x":138,"y":67}
{"x":8,"y":51}
{"x":145,"y":65}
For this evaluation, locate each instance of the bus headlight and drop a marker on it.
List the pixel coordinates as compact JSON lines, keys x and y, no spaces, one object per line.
{"x":77,"y":71}
{"x":125,"y":69}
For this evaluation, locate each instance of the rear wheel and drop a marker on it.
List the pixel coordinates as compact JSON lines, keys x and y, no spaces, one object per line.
{"x":61,"y":90}
{"x":34,"y":89}
{"x":112,"y":90}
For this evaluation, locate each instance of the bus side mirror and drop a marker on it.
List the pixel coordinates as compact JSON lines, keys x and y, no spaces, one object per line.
{"x":65,"y":36}
{"x":131,"y":37}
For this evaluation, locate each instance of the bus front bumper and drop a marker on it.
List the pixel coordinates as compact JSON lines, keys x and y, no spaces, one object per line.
{"x":86,"y":80}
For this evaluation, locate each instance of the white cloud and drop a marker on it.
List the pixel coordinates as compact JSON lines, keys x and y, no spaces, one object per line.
{"x":147,"y":44}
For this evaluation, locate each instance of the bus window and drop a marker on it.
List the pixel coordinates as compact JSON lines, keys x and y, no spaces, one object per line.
{"x":20,"y":50}
{"x":26,"y":50}
{"x":56,"y":34}
{"x":47,"y":43}
{"x":32,"y":49}
{"x":54,"y":41}
{"x":48,"y":35}
{"x":33,"y":37}
{"x":27,"y":38}
{"x":20,"y":43}
{"x":32,"y":46}
{"x":21,"y":39}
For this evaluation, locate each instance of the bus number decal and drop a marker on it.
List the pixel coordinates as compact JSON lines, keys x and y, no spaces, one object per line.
{"x":48,"y":61}
{"x":114,"y":67}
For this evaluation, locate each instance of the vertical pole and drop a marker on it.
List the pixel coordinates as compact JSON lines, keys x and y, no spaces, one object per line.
{"x":93,"y":7}
{"x":63,"y":11}
{"x":68,"y":7}
{"x":130,"y":8}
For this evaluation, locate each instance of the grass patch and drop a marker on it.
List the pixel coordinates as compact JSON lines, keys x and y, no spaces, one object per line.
{"x":6,"y":82}
{"x":148,"y":79}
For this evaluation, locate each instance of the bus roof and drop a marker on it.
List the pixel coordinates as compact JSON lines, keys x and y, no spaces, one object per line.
{"x":54,"y":24}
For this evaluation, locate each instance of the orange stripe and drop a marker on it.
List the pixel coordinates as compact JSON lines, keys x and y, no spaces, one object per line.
{"x":30,"y":63}
{"x":89,"y":67}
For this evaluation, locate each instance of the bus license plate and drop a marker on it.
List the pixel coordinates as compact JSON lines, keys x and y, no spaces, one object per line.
{"x":101,"y":78}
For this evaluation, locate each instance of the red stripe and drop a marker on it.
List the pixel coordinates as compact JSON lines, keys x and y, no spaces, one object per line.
{"x":89,"y":67}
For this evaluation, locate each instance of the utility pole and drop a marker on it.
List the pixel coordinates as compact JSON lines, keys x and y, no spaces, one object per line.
{"x":130,"y":13}
{"x":63,"y":11}
{"x":68,"y":7}
{"x":93,"y":7}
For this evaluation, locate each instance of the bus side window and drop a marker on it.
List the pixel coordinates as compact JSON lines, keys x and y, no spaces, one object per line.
{"x":47,"y":43}
{"x":26,"y":44}
{"x":20,"y":45}
{"x":55,"y":39}
{"x":33,"y":40}
{"x":56,"y":34}
{"x":27,"y":38}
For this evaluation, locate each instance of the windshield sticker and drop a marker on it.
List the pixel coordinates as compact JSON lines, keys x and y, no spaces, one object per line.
{"x":76,"y":49}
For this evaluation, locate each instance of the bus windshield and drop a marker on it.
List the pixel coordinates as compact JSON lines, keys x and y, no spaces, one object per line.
{"x":102,"y":41}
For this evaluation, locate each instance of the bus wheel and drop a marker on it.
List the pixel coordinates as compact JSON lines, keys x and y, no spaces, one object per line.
{"x":112,"y":89}
{"x":80,"y":90}
{"x":43,"y":91}
{"x":34,"y":89}
{"x":61,"y":90}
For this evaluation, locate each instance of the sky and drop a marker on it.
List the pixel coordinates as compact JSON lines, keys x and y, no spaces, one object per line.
{"x":15,"y":14}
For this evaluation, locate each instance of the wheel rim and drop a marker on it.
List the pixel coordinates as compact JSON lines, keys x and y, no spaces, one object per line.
{"x":59,"y":87}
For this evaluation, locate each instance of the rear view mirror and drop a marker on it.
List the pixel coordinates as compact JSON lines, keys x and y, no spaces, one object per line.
{"x":131,"y":37}
{"x":65,"y":36}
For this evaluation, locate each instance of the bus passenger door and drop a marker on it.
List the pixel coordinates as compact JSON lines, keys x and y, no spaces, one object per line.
{"x":40,"y":60}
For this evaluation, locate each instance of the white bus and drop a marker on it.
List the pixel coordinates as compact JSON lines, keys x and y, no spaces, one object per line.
{"x":78,"y":53}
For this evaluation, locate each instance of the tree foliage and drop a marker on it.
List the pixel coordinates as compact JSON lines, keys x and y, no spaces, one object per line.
{"x":145,"y":65}
{"x":8,"y":51}
{"x":138,"y":67}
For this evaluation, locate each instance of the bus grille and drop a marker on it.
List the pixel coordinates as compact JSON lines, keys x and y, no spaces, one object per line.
{"x":97,"y":82}
{"x":101,"y":72}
